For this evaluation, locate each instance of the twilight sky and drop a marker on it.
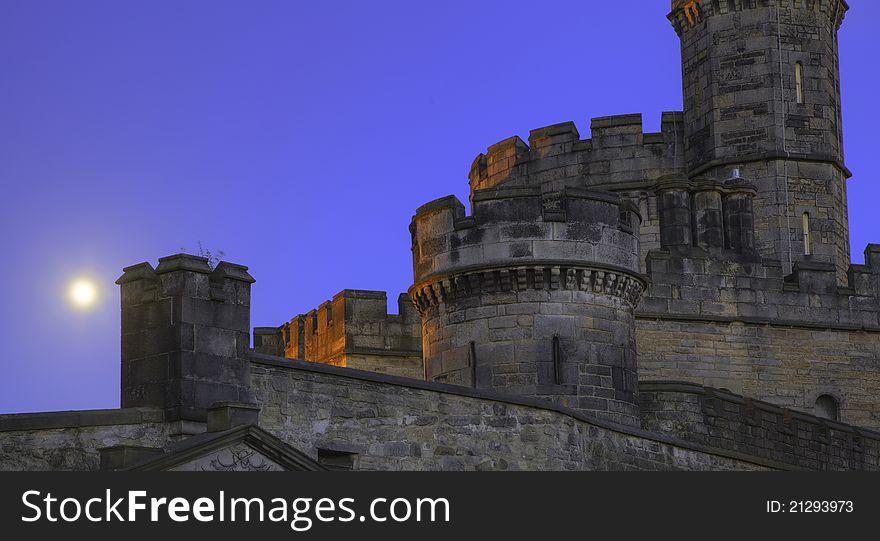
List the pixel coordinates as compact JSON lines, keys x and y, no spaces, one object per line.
{"x":298,"y":137}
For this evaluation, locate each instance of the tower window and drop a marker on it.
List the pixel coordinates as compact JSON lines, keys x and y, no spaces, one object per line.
{"x":808,"y":235}
{"x":827,"y":407}
{"x":472,"y":361}
{"x":557,"y":361}
{"x":799,"y":81}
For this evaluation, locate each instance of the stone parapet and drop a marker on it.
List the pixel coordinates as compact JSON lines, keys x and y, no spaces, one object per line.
{"x":724,"y":420}
{"x":556,"y":157}
{"x":354,"y":330}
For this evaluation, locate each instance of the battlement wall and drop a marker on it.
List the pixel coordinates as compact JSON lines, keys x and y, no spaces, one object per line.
{"x":748,"y":327}
{"x":619,"y":153}
{"x":525,"y":224}
{"x":686,"y":13}
{"x":698,"y":284}
{"x":721,"y":419}
{"x":354,"y":330}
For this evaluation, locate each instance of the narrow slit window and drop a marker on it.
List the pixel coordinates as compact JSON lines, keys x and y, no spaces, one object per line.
{"x":808,"y":235}
{"x":799,"y":81}
{"x":472,"y":354}
{"x":557,"y":361}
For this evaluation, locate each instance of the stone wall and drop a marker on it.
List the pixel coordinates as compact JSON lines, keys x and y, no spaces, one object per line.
{"x":354,"y":330}
{"x":69,"y":440}
{"x":388,"y":423}
{"x":727,"y":421}
{"x":745,"y":327}
{"x":788,"y":366}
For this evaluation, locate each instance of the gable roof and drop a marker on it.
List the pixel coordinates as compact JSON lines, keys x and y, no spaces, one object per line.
{"x":195,"y":447}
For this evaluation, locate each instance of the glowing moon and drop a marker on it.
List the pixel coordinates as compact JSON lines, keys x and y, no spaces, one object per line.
{"x":83,"y":293}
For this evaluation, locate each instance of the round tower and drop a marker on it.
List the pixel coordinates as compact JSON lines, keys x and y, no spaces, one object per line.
{"x":533,"y":295}
{"x":761,"y":90}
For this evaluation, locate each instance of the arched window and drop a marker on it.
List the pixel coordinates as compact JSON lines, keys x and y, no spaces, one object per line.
{"x":808,"y":235}
{"x":827,"y":407}
{"x":799,"y":81}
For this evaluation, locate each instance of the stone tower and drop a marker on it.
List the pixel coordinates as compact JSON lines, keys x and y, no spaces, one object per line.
{"x":185,"y":336}
{"x":533,"y":295}
{"x":761,"y":93}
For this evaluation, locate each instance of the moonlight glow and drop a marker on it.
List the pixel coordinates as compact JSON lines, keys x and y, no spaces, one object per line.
{"x":83,"y":293}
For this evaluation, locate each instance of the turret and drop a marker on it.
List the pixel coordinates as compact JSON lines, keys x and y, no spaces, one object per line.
{"x":185,"y":336}
{"x":533,"y":294}
{"x":761,"y":92}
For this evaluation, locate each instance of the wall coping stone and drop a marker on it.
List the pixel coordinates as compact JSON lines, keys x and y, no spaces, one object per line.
{"x":772,"y":322}
{"x":79,"y":418}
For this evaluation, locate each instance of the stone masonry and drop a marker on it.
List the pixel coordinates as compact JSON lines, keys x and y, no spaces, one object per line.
{"x":533,"y":294}
{"x":680,"y":300}
{"x":353,"y":330}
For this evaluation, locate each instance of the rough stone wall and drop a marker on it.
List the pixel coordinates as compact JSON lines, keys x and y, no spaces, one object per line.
{"x":69,"y":441}
{"x":788,"y":366}
{"x":723,"y":420}
{"x":745,"y":327}
{"x":399,"y":424}
{"x":532,"y":295}
{"x":353,"y":330}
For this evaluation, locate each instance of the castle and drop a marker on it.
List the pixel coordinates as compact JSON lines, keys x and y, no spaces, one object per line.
{"x":647,"y":301}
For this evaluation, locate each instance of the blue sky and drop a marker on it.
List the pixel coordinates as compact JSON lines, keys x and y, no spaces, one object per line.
{"x":297,"y":137}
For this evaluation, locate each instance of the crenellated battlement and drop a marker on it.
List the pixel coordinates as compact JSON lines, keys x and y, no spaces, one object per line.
{"x":753,"y":328}
{"x":689,"y":13}
{"x":513,"y":225}
{"x":695,"y":284}
{"x":556,"y":156}
{"x":185,"y":335}
{"x":353,"y":329}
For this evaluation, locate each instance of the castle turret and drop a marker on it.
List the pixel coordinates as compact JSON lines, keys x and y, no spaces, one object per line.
{"x":761,"y":90}
{"x":533,"y":294}
{"x":185,"y":335}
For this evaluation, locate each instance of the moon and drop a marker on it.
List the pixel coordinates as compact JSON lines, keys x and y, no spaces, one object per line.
{"x":83,"y":293}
